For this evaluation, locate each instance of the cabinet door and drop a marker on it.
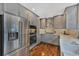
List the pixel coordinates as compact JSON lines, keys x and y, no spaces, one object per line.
{"x":11,"y":8}
{"x":1,"y":8}
{"x":50,"y":38}
{"x":49,"y":23}
{"x":23,"y":12}
{"x":42,"y":23}
{"x":34,"y":20}
{"x":71,"y":17}
{"x":78,"y":17}
{"x":59,"y":22}
{"x":24,"y":32}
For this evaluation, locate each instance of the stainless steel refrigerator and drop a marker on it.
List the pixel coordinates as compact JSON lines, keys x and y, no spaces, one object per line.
{"x":10,"y":33}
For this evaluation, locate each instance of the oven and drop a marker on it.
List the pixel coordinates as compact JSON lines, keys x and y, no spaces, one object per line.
{"x":33,"y":34}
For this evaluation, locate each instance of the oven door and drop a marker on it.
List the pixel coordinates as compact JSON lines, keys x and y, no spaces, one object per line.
{"x":11,"y":33}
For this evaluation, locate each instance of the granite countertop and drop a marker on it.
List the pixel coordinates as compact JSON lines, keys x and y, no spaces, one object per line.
{"x":69,"y":45}
{"x":69,"y":38}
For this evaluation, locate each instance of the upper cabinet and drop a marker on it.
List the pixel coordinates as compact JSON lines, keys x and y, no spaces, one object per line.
{"x":42,"y":23}
{"x":78,"y":15}
{"x":71,"y":17}
{"x":49,"y":23}
{"x":23,"y":11}
{"x":11,"y":8}
{"x":33,"y":18}
{"x":1,"y":8}
{"x":46,"y":23}
{"x":59,"y":22}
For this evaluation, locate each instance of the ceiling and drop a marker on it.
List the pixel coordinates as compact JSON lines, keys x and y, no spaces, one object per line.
{"x":45,"y":10}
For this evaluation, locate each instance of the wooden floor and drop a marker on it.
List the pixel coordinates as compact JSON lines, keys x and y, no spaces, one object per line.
{"x":45,"y":49}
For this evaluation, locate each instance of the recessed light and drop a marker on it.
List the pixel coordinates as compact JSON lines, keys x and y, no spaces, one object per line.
{"x":33,"y":8}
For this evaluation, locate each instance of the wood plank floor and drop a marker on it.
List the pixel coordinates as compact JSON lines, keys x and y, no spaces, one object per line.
{"x":45,"y":49}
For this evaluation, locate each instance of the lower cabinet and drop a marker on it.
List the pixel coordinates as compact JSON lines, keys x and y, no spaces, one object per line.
{"x":50,"y":38}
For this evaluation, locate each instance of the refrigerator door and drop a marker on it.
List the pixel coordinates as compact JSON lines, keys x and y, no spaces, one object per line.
{"x":21,"y":37}
{"x":11,"y":33}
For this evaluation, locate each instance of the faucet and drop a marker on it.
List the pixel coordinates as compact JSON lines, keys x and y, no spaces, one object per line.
{"x":65,"y":33}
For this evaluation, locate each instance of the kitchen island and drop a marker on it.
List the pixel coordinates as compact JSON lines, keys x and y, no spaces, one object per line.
{"x":69,"y":45}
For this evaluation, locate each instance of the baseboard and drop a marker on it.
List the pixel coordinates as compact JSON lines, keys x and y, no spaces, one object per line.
{"x":34,"y":45}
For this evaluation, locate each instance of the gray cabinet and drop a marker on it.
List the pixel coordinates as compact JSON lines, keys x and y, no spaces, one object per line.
{"x":78,"y":16}
{"x":25,"y":32}
{"x":33,"y":19}
{"x":11,"y":8}
{"x":23,"y":12}
{"x":50,"y":38}
{"x":49,"y":23}
{"x":46,"y":23}
{"x":59,"y":22}
{"x":71,"y":17}
{"x":1,"y":8}
{"x":42,"y":23}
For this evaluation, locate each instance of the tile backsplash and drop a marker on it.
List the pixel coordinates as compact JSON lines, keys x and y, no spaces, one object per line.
{"x":59,"y":31}
{"x":73,"y":33}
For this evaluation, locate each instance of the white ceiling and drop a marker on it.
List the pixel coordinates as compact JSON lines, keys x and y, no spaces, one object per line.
{"x":45,"y":10}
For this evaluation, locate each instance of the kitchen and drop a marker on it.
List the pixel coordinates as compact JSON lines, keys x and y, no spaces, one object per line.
{"x":24,"y":33}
